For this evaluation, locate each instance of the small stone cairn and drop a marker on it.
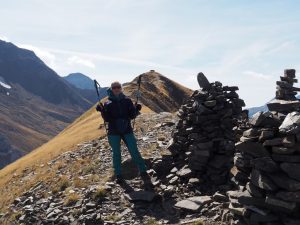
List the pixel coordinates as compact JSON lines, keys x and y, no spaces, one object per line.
{"x":203,"y":141}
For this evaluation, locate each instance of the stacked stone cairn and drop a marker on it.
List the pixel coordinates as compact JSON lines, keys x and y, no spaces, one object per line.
{"x":267,"y":162}
{"x":203,"y":141}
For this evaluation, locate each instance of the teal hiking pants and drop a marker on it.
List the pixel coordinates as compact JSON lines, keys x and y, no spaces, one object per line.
{"x":130,"y":141}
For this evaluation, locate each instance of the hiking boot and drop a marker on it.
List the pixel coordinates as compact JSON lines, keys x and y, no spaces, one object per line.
{"x":147,"y":181}
{"x":144,"y":175}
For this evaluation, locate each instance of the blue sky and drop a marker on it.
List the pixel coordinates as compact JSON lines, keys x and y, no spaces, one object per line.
{"x":243,"y":43}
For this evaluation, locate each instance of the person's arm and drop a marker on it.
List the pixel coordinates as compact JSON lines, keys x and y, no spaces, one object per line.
{"x":103,"y":109}
{"x":134,"y":111}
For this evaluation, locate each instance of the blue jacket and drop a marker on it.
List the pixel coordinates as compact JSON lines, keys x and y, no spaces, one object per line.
{"x":118,"y":112}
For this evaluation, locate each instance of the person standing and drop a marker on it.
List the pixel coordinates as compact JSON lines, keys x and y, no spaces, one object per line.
{"x":118,"y":111}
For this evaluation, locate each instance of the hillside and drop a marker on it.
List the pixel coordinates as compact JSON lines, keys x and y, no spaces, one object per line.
{"x":84,"y":129}
{"x":35,"y":103}
{"x":159,"y":93}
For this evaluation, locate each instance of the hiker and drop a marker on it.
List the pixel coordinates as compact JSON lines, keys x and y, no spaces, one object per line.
{"x":118,"y":111}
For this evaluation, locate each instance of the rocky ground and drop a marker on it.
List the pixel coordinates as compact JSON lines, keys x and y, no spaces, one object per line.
{"x":81,"y":190}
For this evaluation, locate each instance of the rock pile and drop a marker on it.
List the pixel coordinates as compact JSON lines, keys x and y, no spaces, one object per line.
{"x":203,"y":143}
{"x":268,"y":164}
{"x":285,"y":100}
{"x":80,"y":193}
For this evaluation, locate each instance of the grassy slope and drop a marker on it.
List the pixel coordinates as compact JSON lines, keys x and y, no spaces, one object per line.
{"x":85,"y":128}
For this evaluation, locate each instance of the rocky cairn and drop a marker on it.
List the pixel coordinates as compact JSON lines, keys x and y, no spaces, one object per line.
{"x":267,"y":162}
{"x":203,"y":141}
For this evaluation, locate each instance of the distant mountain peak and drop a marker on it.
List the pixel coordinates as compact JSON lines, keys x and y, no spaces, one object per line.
{"x":80,"y":80}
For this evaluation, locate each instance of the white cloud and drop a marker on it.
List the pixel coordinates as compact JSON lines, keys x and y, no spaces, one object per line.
{"x":258,"y":75}
{"x":81,"y":61}
{"x":48,"y":57}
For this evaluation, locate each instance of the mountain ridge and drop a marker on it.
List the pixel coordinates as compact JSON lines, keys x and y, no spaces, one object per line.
{"x":35,"y":102}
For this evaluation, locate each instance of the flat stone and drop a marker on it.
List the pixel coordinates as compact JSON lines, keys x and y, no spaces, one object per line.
{"x":283,"y":105}
{"x":90,"y":205}
{"x":285,"y":182}
{"x":211,"y":103}
{"x":283,"y":150}
{"x":265,"y":164}
{"x":262,"y":181}
{"x":286,"y":158}
{"x":273,"y":142}
{"x":289,"y":196}
{"x":174,"y":180}
{"x":141,"y":196}
{"x":188,"y":205}
{"x":218,"y":197}
{"x":292,"y":169}
{"x":184,"y":172}
{"x":281,"y":205}
{"x":252,"y":148}
{"x":291,"y":123}
{"x":250,"y":200}
{"x":194,"y":181}
{"x":201,"y":200}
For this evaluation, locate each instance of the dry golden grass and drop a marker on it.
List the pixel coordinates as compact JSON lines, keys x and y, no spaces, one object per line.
{"x":71,"y":199}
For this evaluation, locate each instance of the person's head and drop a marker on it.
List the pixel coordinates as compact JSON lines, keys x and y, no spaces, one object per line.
{"x":116,"y":88}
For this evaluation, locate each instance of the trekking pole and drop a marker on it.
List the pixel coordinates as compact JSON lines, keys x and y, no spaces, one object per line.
{"x":137,"y":95}
{"x":97,"y":86}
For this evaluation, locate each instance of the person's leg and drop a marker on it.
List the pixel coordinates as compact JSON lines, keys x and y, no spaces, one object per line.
{"x":131,"y":144}
{"x":115,"y":143}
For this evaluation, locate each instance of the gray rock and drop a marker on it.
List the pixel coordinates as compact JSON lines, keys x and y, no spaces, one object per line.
{"x":281,"y":205}
{"x":203,"y":81}
{"x":218,"y":197}
{"x":257,"y":119}
{"x":184,"y":172}
{"x":262,"y":181}
{"x":201,"y":200}
{"x":289,"y":196}
{"x":291,"y":123}
{"x":273,"y":142}
{"x":266,"y":134}
{"x":284,"y":182}
{"x":252,"y":148}
{"x":188,"y":205}
{"x":141,"y":196}
{"x":265,"y":164}
{"x":292,"y":169}
{"x":286,"y":158}
{"x":255,"y":191}
{"x":283,"y":150}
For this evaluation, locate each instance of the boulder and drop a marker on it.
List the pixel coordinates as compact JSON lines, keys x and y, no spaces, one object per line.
{"x":262,"y":181}
{"x":292,"y":169}
{"x":291,"y":123}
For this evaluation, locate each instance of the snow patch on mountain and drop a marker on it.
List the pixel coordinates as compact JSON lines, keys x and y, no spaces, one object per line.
{"x":3,"y":84}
